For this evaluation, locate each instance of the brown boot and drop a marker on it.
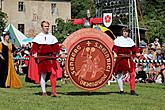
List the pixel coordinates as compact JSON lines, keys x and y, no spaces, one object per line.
{"x":44,"y":94}
{"x":53,"y":94}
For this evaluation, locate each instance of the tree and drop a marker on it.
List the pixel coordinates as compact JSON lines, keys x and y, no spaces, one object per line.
{"x":64,"y":29}
{"x":154,"y":15}
{"x":3,"y":21}
{"x":79,"y":7}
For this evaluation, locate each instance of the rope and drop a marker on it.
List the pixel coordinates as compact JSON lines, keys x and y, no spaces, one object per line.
{"x":20,"y":58}
{"x":135,"y":60}
{"x":58,"y":59}
{"x":148,"y":61}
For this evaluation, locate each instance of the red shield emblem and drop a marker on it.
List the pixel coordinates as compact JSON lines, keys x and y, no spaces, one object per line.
{"x":90,"y":61}
{"x":107,"y":19}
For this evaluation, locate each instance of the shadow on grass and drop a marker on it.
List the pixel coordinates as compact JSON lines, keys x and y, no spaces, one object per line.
{"x":38,"y":86}
{"x":40,"y":93}
{"x":85,"y":93}
{"x":48,"y":94}
{"x":82,"y":93}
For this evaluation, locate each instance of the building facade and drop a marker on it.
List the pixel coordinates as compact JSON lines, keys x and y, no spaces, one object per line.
{"x":27,"y":15}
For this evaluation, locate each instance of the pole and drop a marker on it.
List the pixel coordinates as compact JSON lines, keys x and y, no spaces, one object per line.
{"x":137,"y":23}
{"x":1,"y":5}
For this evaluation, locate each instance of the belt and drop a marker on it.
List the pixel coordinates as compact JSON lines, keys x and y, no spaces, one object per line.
{"x":48,"y":54}
{"x":125,"y":55}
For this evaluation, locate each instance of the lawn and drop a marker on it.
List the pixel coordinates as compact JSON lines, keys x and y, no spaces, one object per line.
{"x":151,"y":97}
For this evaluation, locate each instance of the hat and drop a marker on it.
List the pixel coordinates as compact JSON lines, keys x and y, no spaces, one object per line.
{"x":5,"y":33}
{"x":142,"y":44}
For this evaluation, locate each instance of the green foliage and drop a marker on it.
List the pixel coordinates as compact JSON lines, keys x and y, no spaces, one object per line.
{"x":152,"y":10}
{"x":79,"y":7}
{"x":3,"y":21}
{"x":64,"y":29}
{"x":154,"y":14}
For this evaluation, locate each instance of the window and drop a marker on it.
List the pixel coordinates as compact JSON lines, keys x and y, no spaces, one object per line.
{"x":20,"y":6}
{"x":53,"y":29}
{"x":53,"y":8}
{"x":21,"y":27}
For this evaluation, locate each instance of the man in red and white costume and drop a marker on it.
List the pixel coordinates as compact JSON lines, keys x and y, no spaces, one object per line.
{"x":124,"y":51}
{"x":46,"y":45}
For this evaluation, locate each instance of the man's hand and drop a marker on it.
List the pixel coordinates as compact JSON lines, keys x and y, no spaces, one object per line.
{"x":115,"y":55}
{"x":35,"y":55}
{"x":35,"y":58}
{"x":62,"y":55}
{"x":2,"y":57}
{"x":137,"y":54}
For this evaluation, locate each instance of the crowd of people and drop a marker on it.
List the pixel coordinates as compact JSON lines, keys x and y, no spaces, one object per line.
{"x":21,"y":58}
{"x":151,"y":72}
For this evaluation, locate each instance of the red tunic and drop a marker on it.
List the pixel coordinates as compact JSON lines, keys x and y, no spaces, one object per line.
{"x":124,"y":47}
{"x":125,"y":64}
{"x":50,"y":50}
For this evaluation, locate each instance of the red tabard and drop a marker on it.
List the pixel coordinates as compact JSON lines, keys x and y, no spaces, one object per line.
{"x":125,"y":64}
{"x":50,"y":50}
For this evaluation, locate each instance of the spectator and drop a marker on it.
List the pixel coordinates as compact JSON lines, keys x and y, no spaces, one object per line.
{"x":157,"y":44}
{"x":25,"y":62}
{"x":8,"y":76}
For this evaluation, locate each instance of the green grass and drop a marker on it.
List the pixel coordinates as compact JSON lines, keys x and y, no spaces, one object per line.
{"x":151,"y":97}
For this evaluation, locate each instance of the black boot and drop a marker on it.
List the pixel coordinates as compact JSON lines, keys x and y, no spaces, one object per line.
{"x":121,"y":92}
{"x":133,"y":93}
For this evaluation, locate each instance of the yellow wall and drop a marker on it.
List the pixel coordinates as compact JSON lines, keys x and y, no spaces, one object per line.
{"x":35,"y":12}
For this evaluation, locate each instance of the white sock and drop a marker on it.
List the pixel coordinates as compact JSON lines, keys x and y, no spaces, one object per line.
{"x":43,"y":83}
{"x":120,"y":81}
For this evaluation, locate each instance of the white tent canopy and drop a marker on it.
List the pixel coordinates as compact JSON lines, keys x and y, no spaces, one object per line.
{"x":16,"y":36}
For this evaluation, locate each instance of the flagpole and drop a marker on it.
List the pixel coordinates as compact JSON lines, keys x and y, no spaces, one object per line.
{"x":137,"y":23}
